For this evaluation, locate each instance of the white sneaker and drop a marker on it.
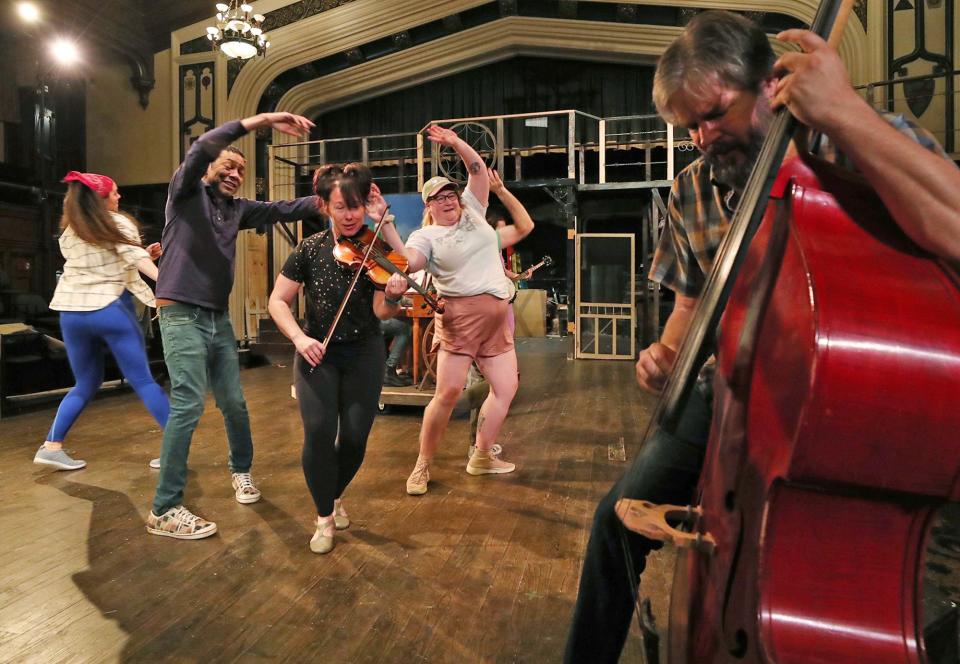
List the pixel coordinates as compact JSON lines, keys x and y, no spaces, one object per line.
{"x":246,"y":492}
{"x":180,"y":523}
{"x":155,"y":463}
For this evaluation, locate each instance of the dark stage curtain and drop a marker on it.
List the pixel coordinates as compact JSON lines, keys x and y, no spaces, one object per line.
{"x":516,"y":85}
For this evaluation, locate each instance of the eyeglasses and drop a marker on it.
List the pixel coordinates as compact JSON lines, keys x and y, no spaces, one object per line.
{"x":444,"y":198}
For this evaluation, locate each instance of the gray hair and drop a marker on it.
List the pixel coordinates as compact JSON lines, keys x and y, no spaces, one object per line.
{"x":715,"y":44}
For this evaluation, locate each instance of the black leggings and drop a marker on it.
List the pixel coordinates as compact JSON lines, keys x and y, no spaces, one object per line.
{"x":340,"y":394}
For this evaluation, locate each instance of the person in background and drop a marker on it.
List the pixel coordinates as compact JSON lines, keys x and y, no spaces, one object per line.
{"x":94,"y":295}
{"x":397,"y":333}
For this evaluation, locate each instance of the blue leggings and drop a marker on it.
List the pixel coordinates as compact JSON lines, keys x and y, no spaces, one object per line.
{"x":84,"y":333}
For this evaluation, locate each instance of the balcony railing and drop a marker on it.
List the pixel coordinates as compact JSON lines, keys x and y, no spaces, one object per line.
{"x":560,"y":145}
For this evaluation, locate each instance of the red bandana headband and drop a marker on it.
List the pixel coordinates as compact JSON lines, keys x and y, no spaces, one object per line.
{"x":100,"y":184}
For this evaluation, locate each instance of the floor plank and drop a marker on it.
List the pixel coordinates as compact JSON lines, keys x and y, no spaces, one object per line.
{"x":481,"y":569}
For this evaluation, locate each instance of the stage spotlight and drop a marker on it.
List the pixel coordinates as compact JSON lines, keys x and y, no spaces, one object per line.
{"x":28,"y":12}
{"x":65,"y":51}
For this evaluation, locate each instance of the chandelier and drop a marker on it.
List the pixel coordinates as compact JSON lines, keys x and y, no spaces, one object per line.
{"x":238,"y":33}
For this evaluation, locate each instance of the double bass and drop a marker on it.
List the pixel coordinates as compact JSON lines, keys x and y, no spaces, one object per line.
{"x":834,"y":435}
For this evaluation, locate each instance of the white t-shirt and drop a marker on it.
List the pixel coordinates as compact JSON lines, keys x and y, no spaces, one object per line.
{"x":464,"y":258}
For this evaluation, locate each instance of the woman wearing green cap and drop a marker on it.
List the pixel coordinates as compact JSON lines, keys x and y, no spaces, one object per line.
{"x":462,"y":252}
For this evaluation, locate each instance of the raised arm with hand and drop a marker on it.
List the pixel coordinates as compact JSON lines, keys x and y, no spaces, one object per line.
{"x":377,"y":208}
{"x":920,"y":188}
{"x":522,"y":223}
{"x":376,"y":205}
{"x":209,"y":145}
{"x":287,"y":123}
{"x":477,"y":180}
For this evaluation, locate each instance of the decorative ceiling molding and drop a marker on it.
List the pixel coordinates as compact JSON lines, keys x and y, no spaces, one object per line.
{"x":335,"y":31}
{"x":489,"y":43}
{"x":362,"y":21}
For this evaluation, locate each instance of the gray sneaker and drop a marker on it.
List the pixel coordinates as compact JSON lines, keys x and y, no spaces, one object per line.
{"x":59,"y":459}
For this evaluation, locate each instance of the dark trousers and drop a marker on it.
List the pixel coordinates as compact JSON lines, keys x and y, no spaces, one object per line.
{"x":338,"y":403}
{"x":665,"y":471}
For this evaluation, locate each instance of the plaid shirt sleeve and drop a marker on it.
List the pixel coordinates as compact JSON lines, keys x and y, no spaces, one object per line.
{"x":674,"y":262}
{"x":899,"y":121}
{"x":914,"y":131}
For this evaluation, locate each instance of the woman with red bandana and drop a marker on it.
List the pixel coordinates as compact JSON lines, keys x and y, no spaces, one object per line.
{"x":103,"y":255}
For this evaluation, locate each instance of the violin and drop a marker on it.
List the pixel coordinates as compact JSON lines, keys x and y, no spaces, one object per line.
{"x":368,"y":252}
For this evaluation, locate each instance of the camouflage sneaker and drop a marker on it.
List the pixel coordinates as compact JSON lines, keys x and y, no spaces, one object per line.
{"x":180,"y":523}
{"x":246,"y":492}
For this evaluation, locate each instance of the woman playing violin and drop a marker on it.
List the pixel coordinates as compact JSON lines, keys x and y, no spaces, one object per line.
{"x":461,"y":250}
{"x":337,"y":382}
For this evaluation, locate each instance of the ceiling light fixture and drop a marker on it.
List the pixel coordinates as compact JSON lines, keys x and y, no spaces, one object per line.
{"x":28,"y":12}
{"x":65,"y":51}
{"x":238,"y":32}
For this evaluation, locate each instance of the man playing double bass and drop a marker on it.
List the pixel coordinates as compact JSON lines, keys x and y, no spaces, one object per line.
{"x":721,"y":80}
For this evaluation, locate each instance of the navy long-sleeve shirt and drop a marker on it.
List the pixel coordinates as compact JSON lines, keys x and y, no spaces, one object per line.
{"x":200,"y":233}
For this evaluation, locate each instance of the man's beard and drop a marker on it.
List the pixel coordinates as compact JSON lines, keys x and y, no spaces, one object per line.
{"x":731,"y":163}
{"x":734,"y":172}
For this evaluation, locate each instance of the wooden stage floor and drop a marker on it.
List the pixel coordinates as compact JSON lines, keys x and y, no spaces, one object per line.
{"x":481,"y":569}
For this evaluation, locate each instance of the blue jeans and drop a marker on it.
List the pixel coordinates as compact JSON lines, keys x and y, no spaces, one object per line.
{"x":400,"y":333}
{"x":665,"y":471}
{"x":200,"y":349}
{"x":84,"y":334}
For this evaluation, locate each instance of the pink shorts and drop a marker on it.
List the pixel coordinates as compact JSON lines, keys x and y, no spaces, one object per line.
{"x":475,"y":326}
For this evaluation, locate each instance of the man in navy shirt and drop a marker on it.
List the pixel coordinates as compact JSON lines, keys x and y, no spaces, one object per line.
{"x":196,"y":276}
